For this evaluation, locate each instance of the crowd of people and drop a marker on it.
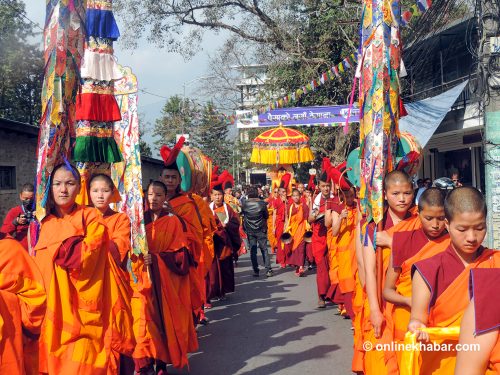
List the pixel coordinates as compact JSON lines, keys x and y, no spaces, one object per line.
{"x":78,"y":299}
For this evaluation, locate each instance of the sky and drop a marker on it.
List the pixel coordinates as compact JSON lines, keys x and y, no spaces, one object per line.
{"x":157,"y":70}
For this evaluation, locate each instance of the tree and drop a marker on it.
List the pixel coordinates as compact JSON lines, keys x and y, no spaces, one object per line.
{"x":144,"y":147}
{"x":21,"y":66}
{"x":178,"y":116}
{"x":212,"y":136}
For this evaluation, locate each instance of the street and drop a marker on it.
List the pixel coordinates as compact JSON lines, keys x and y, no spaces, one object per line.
{"x":272,"y":326}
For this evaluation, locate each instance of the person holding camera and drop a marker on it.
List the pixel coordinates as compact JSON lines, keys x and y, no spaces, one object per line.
{"x":17,"y":220}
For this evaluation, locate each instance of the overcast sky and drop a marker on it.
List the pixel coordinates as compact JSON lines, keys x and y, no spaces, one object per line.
{"x":157,"y":70}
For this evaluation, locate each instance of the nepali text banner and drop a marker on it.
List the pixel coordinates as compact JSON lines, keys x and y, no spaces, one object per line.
{"x":309,"y":116}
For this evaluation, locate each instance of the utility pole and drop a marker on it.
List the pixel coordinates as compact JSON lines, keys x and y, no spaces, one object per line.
{"x":489,"y":90}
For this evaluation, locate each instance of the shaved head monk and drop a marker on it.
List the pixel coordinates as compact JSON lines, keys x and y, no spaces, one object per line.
{"x":441,"y":283}
{"x":409,"y":247}
{"x":319,"y":238}
{"x":398,"y":193}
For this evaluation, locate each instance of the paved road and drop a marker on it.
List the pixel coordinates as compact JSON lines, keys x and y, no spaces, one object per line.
{"x":272,"y":326}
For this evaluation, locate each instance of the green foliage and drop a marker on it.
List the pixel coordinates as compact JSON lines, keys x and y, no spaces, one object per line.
{"x":324,"y":42}
{"x":21,"y":66}
{"x":211,"y":137}
{"x":177,"y":117}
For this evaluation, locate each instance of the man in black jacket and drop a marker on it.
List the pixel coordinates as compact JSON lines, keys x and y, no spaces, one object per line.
{"x":255,"y":215}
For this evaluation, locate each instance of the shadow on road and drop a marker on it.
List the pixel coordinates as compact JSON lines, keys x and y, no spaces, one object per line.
{"x":261,"y":315}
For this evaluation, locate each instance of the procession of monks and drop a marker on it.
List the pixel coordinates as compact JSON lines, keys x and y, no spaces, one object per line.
{"x":432,"y":284}
{"x":85,"y":303}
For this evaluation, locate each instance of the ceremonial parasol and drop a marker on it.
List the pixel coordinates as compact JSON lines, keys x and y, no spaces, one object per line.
{"x":281,"y":146}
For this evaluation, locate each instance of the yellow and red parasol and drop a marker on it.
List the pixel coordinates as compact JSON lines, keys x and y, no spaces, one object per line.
{"x":281,"y":146}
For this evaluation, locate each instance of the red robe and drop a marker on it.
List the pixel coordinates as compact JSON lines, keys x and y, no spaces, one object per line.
{"x":448,"y":282}
{"x":319,"y":251}
{"x":172,"y":263}
{"x":19,"y":232}
{"x":227,"y":242}
{"x":484,"y":287}
{"x":281,"y":208}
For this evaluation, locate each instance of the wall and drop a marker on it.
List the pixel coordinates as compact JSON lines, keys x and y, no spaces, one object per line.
{"x":18,"y":150}
{"x":151,"y":170}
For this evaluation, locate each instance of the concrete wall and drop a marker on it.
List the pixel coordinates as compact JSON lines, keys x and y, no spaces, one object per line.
{"x":18,"y":147}
{"x":151,"y":170}
{"x":19,"y":151}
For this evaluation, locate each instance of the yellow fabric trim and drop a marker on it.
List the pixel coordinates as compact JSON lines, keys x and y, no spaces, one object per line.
{"x":411,"y":359}
{"x":282,"y":156}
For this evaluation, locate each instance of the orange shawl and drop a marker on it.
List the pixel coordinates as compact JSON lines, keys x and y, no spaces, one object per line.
{"x":88,"y":310}
{"x":401,"y":314}
{"x":378,"y":362}
{"x":444,"y":323}
{"x":346,"y":252}
{"x":166,"y":235}
{"x":297,"y":225}
{"x":22,"y":307}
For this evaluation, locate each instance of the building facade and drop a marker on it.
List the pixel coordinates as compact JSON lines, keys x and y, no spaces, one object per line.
{"x":435,"y":65}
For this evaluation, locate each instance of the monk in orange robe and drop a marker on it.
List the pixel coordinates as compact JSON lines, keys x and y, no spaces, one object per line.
{"x":270,"y":206}
{"x":481,"y":325}
{"x":358,"y":301}
{"x":22,"y":308}
{"x":208,"y":249}
{"x":227,"y":242}
{"x":343,"y":221}
{"x":297,"y":225}
{"x":101,"y":193}
{"x":440,"y":283}
{"x":171,"y":263}
{"x":88,"y":310}
{"x":409,"y":247}
{"x":280,"y":209}
{"x":398,"y":191}
{"x":184,"y":206}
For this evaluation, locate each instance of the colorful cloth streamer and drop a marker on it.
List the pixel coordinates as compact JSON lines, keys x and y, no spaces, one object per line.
{"x":378,"y":100}
{"x":64,"y":38}
{"x":127,"y":175}
{"x":96,"y":106}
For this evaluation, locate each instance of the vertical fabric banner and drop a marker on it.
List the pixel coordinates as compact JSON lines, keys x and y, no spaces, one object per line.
{"x":63,"y":50}
{"x":378,"y":99}
{"x":127,"y":175}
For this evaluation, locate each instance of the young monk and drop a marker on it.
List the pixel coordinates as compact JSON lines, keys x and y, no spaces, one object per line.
{"x":481,"y":325}
{"x":319,"y":242}
{"x":409,"y":247}
{"x":101,"y":193}
{"x":87,"y":308}
{"x":297,"y":225}
{"x":183,"y":206}
{"x":398,"y":192}
{"x":227,"y":242}
{"x":22,"y":308}
{"x":171,"y":262}
{"x":440,"y":283}
{"x":343,"y":221}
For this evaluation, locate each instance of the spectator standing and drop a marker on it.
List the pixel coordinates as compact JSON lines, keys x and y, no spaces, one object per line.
{"x":455,"y":177}
{"x":17,"y":221}
{"x":255,"y":215}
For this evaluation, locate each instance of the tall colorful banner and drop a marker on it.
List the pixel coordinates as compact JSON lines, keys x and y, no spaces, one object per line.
{"x":380,"y":58}
{"x":127,"y":175}
{"x":64,"y":38}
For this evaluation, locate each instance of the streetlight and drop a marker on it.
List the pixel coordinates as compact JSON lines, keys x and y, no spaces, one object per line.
{"x":184,"y":92}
